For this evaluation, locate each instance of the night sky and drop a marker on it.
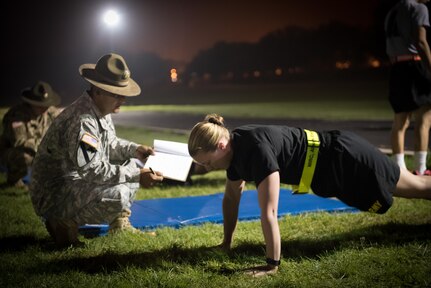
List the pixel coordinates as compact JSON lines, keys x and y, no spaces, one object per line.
{"x":48,"y":40}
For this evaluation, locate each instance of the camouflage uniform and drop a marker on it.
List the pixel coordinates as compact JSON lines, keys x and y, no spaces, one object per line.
{"x":22,"y":134}
{"x":76,"y":174}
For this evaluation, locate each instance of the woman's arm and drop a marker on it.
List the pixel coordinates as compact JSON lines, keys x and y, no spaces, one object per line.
{"x":268,"y":194}
{"x":231,"y":199}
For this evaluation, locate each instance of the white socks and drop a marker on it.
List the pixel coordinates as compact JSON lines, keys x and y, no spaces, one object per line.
{"x":420,"y":161}
{"x":399,"y":159}
{"x":420,"y":158}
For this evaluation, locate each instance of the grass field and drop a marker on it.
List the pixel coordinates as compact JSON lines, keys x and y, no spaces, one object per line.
{"x":318,"y":249}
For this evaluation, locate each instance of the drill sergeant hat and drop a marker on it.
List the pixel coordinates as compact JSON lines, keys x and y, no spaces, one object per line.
{"x":41,"y":94}
{"x":111,"y":74}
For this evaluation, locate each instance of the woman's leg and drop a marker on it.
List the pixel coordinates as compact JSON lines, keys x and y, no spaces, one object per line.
{"x":399,"y":126}
{"x":422,"y":127}
{"x":421,"y":132}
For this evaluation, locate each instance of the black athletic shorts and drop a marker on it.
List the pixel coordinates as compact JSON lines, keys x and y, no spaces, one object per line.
{"x":409,"y":86}
{"x":354,"y":171}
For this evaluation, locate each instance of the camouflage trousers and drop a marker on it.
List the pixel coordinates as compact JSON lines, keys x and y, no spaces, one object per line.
{"x":100,"y":204}
{"x":17,"y":162}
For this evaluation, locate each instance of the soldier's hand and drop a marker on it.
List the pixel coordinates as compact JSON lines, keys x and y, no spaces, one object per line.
{"x":148,"y":178}
{"x":142,"y":152}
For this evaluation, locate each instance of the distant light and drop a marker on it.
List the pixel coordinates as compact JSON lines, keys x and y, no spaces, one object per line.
{"x":296,"y":70}
{"x":174,"y":75}
{"x":343,"y":65}
{"x":374,"y":63}
{"x":278,"y":71}
{"x":111,"y":18}
{"x":207,"y":76}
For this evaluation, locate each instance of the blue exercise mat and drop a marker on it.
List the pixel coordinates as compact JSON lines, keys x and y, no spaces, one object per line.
{"x":194,"y":210}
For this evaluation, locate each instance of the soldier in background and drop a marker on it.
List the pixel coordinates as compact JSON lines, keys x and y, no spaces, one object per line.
{"x":83,"y":173}
{"x":406,"y":27}
{"x":24,"y":126}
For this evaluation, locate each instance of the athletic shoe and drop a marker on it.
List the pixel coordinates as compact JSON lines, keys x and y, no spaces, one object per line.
{"x":18,"y":184}
{"x":426,"y":173}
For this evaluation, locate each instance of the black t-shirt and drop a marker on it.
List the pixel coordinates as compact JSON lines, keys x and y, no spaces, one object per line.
{"x":261,"y":150}
{"x":348,"y":167}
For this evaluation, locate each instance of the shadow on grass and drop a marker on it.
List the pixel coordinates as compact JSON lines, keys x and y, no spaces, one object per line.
{"x":391,"y":234}
{"x":21,"y":243}
{"x":111,"y":262}
{"x":8,"y":191}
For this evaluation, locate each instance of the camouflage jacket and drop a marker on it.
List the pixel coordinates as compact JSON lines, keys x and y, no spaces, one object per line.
{"x":22,"y":128}
{"x":79,"y":153}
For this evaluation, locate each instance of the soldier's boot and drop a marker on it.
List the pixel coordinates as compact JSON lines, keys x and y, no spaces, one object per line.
{"x":14,"y":179}
{"x":17,"y":184}
{"x":122,"y":223}
{"x":17,"y":166}
{"x":64,"y":232}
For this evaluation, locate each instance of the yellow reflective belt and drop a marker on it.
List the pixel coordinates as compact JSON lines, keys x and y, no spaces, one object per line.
{"x":313,"y":144}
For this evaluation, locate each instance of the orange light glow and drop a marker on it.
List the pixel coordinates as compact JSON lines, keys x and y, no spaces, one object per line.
{"x":374,"y":63}
{"x":174,"y":75}
{"x":278,"y":72}
{"x":342,"y":65}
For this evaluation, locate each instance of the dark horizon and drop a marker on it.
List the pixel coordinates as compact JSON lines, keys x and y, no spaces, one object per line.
{"x":48,"y":40}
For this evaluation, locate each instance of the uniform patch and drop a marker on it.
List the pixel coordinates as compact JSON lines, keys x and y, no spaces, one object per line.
{"x":17,"y":124}
{"x":90,"y":140}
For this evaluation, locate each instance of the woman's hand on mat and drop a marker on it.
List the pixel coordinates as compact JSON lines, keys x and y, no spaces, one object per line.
{"x":260,"y":271}
{"x":148,"y":177}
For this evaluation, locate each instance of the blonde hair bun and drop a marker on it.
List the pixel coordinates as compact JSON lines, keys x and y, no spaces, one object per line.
{"x":215,"y":119}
